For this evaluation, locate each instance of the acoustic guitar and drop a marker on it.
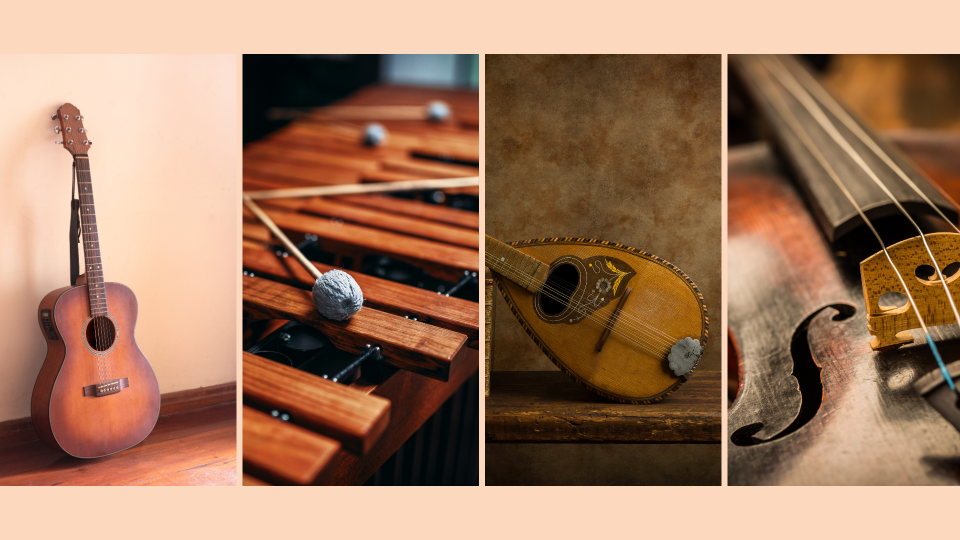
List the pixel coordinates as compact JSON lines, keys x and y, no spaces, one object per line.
{"x":844,"y":273}
{"x":96,"y":393}
{"x":625,"y":324}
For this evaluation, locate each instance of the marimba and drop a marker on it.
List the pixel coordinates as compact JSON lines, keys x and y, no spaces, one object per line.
{"x":416,"y":340}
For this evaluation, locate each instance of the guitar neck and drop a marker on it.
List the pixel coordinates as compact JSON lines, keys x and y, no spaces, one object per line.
{"x":93,"y":265}
{"x":511,"y":263}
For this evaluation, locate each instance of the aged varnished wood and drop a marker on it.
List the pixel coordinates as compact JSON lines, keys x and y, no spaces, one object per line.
{"x":406,"y":343}
{"x":834,"y":213}
{"x":328,"y":408}
{"x":545,"y":406}
{"x":631,"y":367}
{"x":817,"y":404}
{"x":85,"y":426}
{"x":285,"y":453}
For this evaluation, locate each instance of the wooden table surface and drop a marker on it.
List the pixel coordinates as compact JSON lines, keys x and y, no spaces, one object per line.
{"x":548,"y":406}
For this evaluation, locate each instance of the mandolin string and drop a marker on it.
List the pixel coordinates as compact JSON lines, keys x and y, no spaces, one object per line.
{"x":555,"y":294}
{"x":827,"y":100}
{"x":802,"y":134}
{"x":667,"y":338}
{"x":569,"y":291}
{"x":640,"y":338}
{"x":650,"y":339}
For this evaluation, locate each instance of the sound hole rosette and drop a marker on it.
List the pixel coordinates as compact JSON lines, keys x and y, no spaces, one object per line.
{"x":113,"y":328}
{"x":566,"y":313}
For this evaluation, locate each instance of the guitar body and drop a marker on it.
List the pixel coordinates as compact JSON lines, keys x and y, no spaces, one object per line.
{"x":663,"y":306}
{"x":88,"y":426}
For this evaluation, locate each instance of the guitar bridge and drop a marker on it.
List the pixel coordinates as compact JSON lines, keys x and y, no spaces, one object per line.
{"x":106,"y":388}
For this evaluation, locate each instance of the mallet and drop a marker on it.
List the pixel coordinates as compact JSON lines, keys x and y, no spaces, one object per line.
{"x":434,"y":111}
{"x":336,"y":294}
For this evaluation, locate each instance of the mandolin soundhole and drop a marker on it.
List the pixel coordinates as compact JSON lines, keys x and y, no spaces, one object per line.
{"x":561,"y":283}
{"x":100,"y":333}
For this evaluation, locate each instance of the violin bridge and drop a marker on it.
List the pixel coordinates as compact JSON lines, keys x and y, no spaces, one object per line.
{"x":106,"y":388}
{"x":891,"y":324}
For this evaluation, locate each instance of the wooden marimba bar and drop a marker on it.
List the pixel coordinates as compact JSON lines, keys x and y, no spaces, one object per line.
{"x":299,"y":428}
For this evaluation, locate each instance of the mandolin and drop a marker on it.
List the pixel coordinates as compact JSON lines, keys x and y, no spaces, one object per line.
{"x":843,"y":267}
{"x":625,"y":324}
{"x":96,"y":393}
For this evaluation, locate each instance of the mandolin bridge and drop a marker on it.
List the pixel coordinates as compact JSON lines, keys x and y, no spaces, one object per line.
{"x":106,"y":388}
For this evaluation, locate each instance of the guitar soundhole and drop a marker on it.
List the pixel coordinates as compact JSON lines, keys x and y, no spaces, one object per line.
{"x":561,"y":283}
{"x":100,"y":333}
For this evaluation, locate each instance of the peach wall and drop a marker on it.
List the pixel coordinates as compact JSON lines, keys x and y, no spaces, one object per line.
{"x":165,"y":168}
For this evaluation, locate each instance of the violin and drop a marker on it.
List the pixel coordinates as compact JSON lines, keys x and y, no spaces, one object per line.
{"x":843,"y":263}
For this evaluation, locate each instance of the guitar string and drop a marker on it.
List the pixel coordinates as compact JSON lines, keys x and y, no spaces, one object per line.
{"x":76,"y":178}
{"x":100,"y":367}
{"x":101,"y":334}
{"x":641,"y":341}
{"x":825,"y":123}
{"x":561,"y":294}
{"x":581,"y":309}
{"x":667,"y":338}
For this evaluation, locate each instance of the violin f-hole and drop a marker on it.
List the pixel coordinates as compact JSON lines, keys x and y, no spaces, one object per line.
{"x":809,"y":383}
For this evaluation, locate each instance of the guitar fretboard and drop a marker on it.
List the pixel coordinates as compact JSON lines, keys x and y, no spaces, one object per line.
{"x":93,"y":266}
{"x":514,"y":265}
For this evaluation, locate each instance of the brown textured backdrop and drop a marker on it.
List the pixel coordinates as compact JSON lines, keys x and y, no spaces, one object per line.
{"x":618,"y":148}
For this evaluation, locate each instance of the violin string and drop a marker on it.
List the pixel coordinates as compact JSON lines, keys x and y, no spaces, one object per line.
{"x":513,"y":273}
{"x":827,"y":100}
{"x":670,"y":340}
{"x":560,"y":294}
{"x":817,"y":113}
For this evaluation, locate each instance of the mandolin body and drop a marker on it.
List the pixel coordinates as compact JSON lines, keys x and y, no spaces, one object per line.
{"x":88,"y":426}
{"x":816,"y":403}
{"x":663,"y":306}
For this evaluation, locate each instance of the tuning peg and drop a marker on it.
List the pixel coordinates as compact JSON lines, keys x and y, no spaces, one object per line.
{"x":56,"y":130}
{"x":54,"y":117}
{"x":85,"y":142}
{"x":58,"y":142}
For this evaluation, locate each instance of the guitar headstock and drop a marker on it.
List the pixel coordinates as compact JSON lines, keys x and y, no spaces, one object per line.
{"x":71,"y":128}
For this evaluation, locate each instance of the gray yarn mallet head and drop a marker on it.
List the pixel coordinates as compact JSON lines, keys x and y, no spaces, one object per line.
{"x":374,"y":134}
{"x":437,"y":111}
{"x":684,"y":356}
{"x":337,"y":295}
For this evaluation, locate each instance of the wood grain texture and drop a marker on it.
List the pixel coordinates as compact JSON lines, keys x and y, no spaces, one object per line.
{"x":355,"y":419}
{"x":442,"y":260}
{"x":406,"y":344}
{"x":632,"y":367}
{"x":545,"y":406}
{"x":432,"y":212}
{"x":853,"y":419}
{"x":197,"y":447}
{"x":428,"y":307}
{"x":284,"y":453}
{"x":878,"y":278}
{"x":89,"y":426}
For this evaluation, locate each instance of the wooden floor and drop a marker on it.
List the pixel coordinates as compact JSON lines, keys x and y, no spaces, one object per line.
{"x":192,"y":448}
